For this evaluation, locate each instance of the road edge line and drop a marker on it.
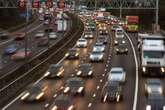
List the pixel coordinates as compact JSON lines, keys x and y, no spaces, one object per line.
{"x":137,"y":77}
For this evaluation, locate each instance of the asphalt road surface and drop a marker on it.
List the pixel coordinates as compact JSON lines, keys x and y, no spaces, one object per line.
{"x":93,"y":86}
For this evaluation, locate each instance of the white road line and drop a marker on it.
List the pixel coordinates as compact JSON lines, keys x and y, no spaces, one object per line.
{"x":101,"y":80}
{"x":90,"y":104}
{"x":137,"y":78}
{"x":94,"y":95}
{"x":98,"y":87}
{"x":4,"y":108}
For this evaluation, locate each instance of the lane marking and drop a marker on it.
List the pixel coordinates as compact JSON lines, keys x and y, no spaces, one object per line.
{"x":101,"y":80}
{"x":137,"y":78}
{"x":94,"y":95}
{"x":98,"y":87}
{"x":89,"y":105}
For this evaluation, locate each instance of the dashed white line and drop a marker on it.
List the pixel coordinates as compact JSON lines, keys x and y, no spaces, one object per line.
{"x":90,"y":104}
{"x":94,"y":95}
{"x":101,"y":80}
{"x":98,"y":87}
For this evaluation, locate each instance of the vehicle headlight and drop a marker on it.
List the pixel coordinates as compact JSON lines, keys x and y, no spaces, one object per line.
{"x":66,"y":89}
{"x":90,"y":73}
{"x":116,"y":42}
{"x":148,"y":107}
{"x":160,"y":90}
{"x":54,"y":108}
{"x":71,"y":107}
{"x":67,"y":54}
{"x":79,"y":72}
{"x":91,"y":36}
{"x":123,"y":42}
{"x":144,"y":69}
{"x":117,"y":49}
{"x":25,"y":96}
{"x":40,"y":95}
{"x":162,"y":69}
{"x":77,"y":54}
{"x":149,"y":90}
{"x":47,"y":73}
{"x":101,"y":56}
{"x":80,"y":89}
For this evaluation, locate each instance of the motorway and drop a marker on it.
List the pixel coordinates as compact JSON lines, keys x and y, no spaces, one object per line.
{"x":7,"y":65}
{"x":93,"y":86}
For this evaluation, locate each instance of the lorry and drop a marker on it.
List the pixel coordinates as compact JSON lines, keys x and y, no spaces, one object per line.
{"x":132,"y":23}
{"x":152,"y":54}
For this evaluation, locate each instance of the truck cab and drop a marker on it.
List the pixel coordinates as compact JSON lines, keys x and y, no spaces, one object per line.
{"x":152,"y":55}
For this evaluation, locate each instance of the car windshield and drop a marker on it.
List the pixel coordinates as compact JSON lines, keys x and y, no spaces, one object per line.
{"x":88,"y":33}
{"x":82,"y":40}
{"x":116,"y":72}
{"x":96,"y":53}
{"x":153,"y":54}
{"x":74,"y":83}
{"x":119,"y":33}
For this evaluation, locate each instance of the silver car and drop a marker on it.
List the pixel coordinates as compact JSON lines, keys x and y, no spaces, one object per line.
{"x":81,"y":43}
{"x":99,"y":47}
{"x":153,"y":86}
{"x":117,"y":74}
{"x":96,"y":56}
{"x":53,"y":35}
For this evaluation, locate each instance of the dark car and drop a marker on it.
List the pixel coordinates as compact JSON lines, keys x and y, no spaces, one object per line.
{"x":11,"y":49}
{"x":121,"y":49}
{"x":74,"y":86}
{"x":103,"y":39}
{"x":112,"y":91}
{"x":72,"y":53}
{"x":48,"y":30}
{"x":155,"y":102}
{"x":55,"y":71}
{"x":42,"y":42}
{"x":35,"y":92}
{"x":85,"y":70}
{"x":62,"y":102}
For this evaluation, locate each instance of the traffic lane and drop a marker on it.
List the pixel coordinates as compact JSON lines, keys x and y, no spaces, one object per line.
{"x":8,"y":65}
{"x":142,"y":99}
{"x":127,"y":62}
{"x":70,"y":66}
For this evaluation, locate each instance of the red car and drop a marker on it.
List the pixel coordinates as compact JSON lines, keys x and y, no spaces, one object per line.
{"x":20,"y":55}
{"x":19,"y":36}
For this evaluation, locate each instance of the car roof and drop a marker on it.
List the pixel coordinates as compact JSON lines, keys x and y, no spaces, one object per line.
{"x":116,"y":69}
{"x":157,"y":81}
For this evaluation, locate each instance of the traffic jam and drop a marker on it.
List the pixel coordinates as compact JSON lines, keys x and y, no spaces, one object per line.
{"x":100,"y":71}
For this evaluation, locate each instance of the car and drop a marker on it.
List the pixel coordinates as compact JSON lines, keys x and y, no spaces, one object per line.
{"x":119,"y":33}
{"x":96,"y":56}
{"x":49,"y":30}
{"x":11,"y":49}
{"x":98,"y":47}
{"x":119,"y":41}
{"x":55,"y":71}
{"x":21,"y":54}
{"x":81,"y":43}
{"x":155,"y":102}
{"x":74,"y":86}
{"x":62,"y":102}
{"x":102,"y":39}
{"x":40,"y":34}
{"x":53,"y":35}
{"x":153,"y":86}
{"x":4,"y":35}
{"x":112,"y":91}
{"x":72,"y":53}
{"x":121,"y":49}
{"x":42,"y":42}
{"x":19,"y":36}
{"x":88,"y":35}
{"x":35,"y":92}
{"x":103,"y":32}
{"x":114,"y":27}
{"x":117,"y":74}
{"x":85,"y":70}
